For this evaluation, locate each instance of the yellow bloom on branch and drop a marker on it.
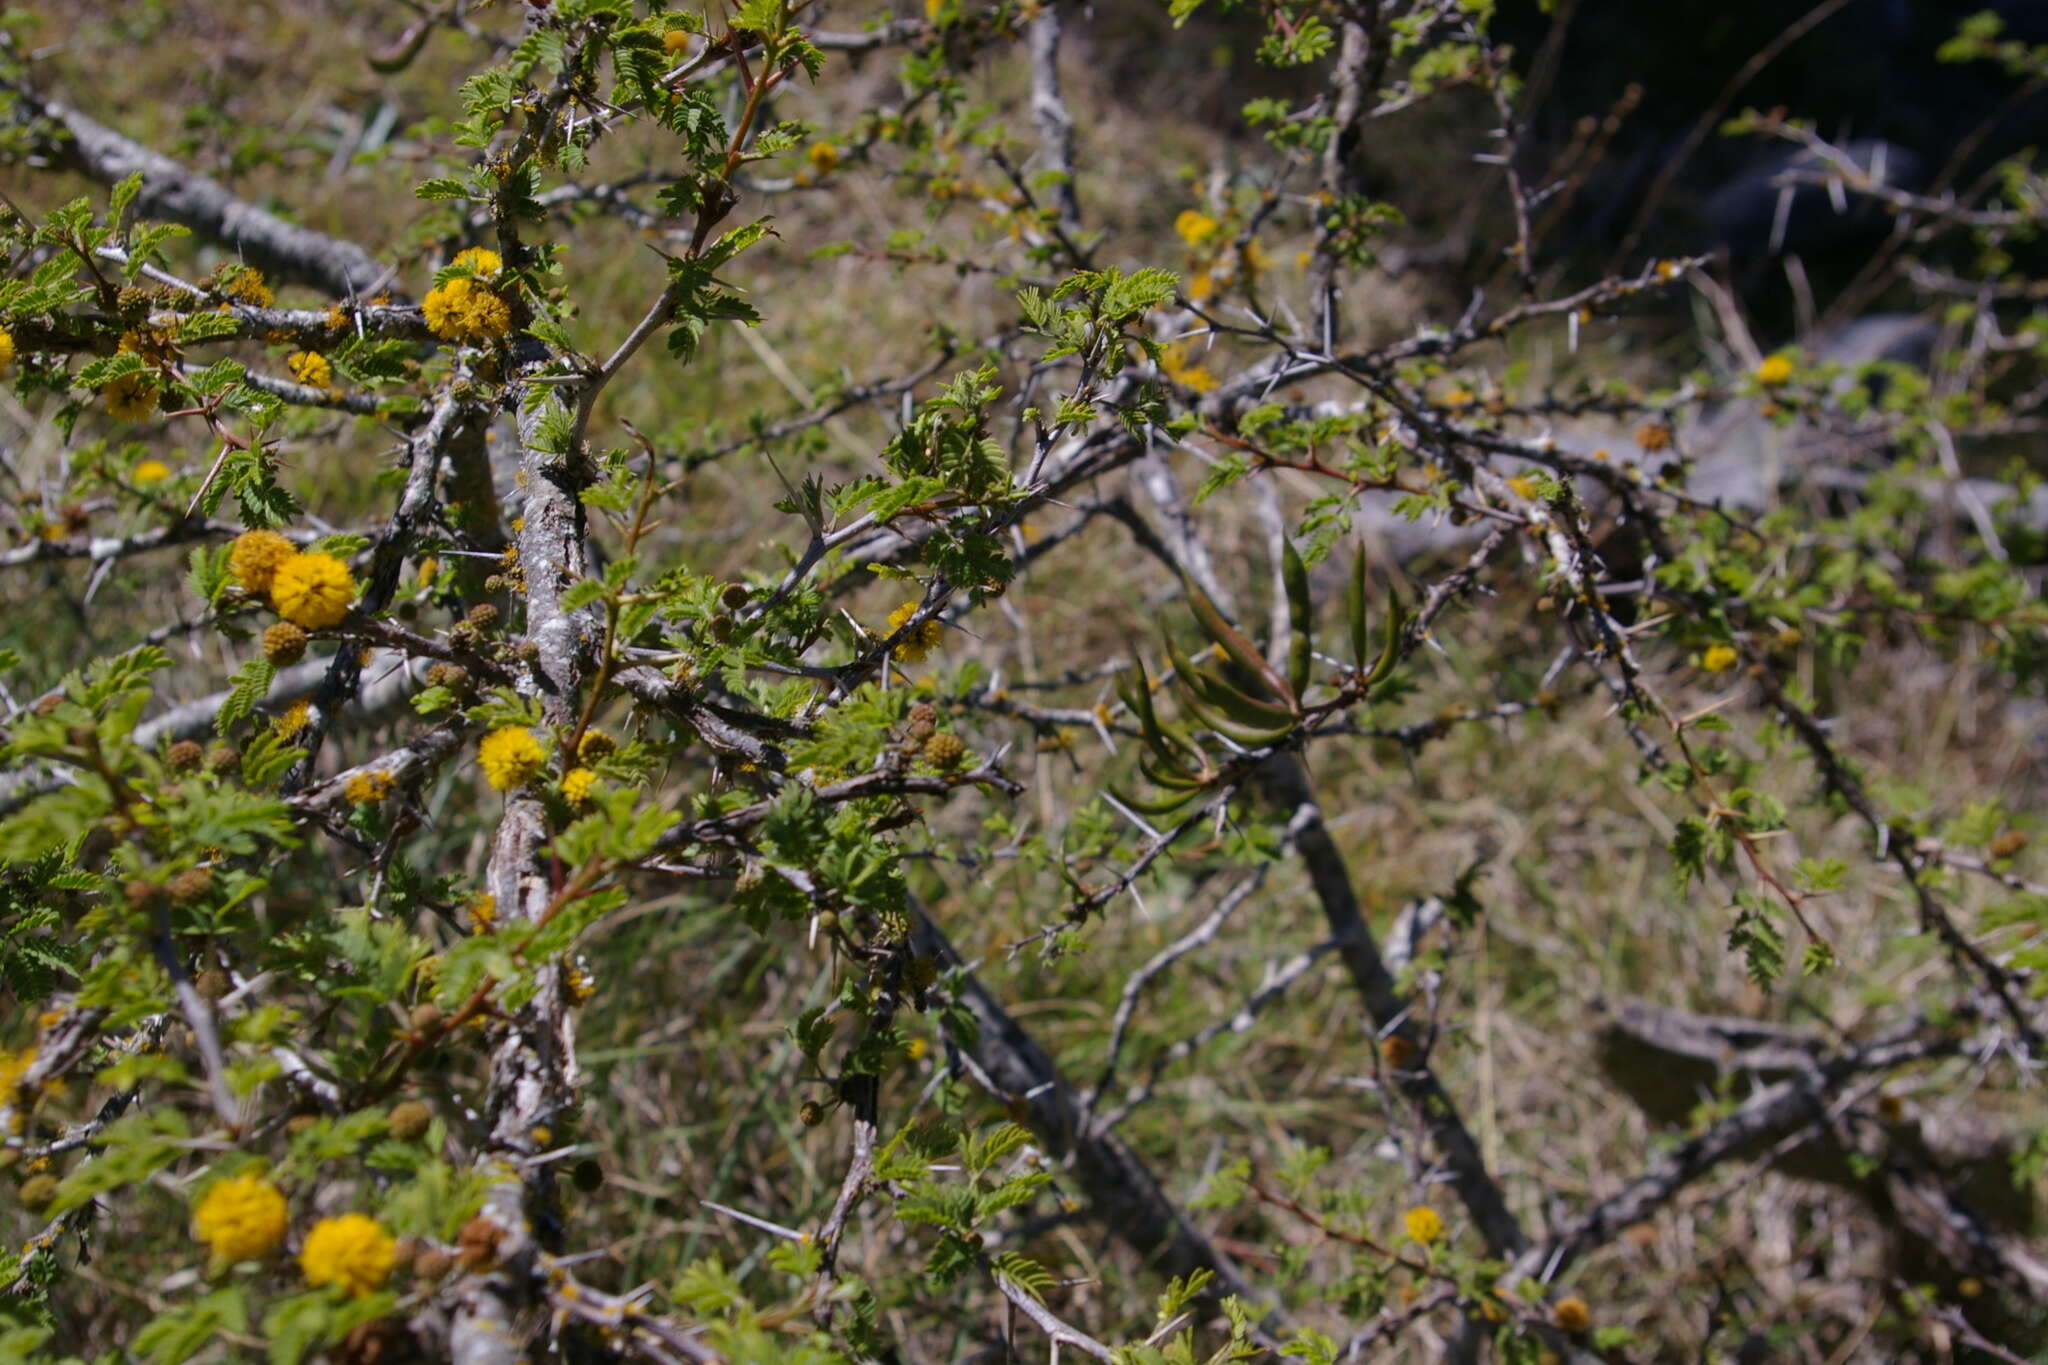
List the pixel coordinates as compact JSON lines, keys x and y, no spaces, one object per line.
{"x":149,"y":472}
{"x":824,"y":157}
{"x":131,"y":398}
{"x":479,"y":260}
{"x":6,"y":349}
{"x":1572,"y":1315}
{"x":511,"y":757}
{"x":367,"y":789}
{"x":577,"y":785}
{"x":1775,"y":372}
{"x":1423,"y":1223}
{"x":246,"y":286}
{"x":292,"y":719}
{"x":464,"y":310}
{"x":311,"y":368}
{"x":255,"y":557}
{"x":922,"y":639}
{"x":312,"y":590}
{"x":1718,"y":658}
{"x":350,"y":1251}
{"x":1195,"y":227}
{"x":240,"y":1218}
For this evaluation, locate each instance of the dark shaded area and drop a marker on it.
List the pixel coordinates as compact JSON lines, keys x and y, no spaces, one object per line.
{"x":1866,"y":76}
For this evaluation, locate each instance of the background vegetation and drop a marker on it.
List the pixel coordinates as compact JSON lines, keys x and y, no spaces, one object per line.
{"x":1261,"y":693}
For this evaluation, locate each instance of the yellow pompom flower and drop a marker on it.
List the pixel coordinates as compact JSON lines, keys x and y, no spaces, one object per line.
{"x":311,"y":368}
{"x":255,"y":558}
{"x":131,"y":398}
{"x":1173,"y":360}
{"x":479,"y":260}
{"x":6,"y":349}
{"x":312,"y":590}
{"x":367,"y":789}
{"x":824,"y":157}
{"x":246,"y":286}
{"x":241,"y":1218}
{"x":577,"y":785}
{"x":149,"y":472}
{"x":1775,"y":371}
{"x":510,"y":757}
{"x":464,"y":310}
{"x":1572,"y":1315}
{"x":1195,"y":227}
{"x":1718,"y":658}
{"x":1423,"y":1223}
{"x":922,"y":639}
{"x":350,"y":1251}
{"x":292,"y":719}
{"x":675,"y":40}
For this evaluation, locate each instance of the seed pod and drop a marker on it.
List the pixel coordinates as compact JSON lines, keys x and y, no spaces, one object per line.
{"x":734,"y":596}
{"x":812,"y":1113}
{"x":426,"y":1017}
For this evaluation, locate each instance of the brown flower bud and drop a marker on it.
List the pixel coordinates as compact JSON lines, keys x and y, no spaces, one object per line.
{"x":482,"y":616}
{"x":284,"y":643}
{"x":430,"y":1264}
{"x":478,"y":1241}
{"x":36,"y":1192}
{"x":184,"y":756}
{"x":213,"y":984}
{"x":812,"y":1113}
{"x":225,"y":760}
{"x":410,"y":1120}
{"x":139,"y":894}
{"x":734,"y":596}
{"x":47,"y":706}
{"x":586,"y":1176}
{"x":595,"y":745}
{"x":426,"y":1017}
{"x":190,"y":886}
{"x":944,"y":750}
{"x":721,"y":628}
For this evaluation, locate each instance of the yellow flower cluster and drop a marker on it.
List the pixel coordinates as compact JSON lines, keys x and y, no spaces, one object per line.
{"x":13,"y":1066}
{"x":312,"y":590}
{"x":292,"y":719}
{"x":577,"y":785}
{"x":511,"y":757}
{"x":150,"y":471}
{"x":367,"y":789}
{"x":1195,"y":227}
{"x":463,"y":310}
{"x":1775,"y":372}
{"x":1718,"y":658}
{"x":1572,"y":1315}
{"x":824,"y":157}
{"x":1423,"y":1223}
{"x":131,"y":398}
{"x":255,"y":556}
{"x":922,"y":639}
{"x":675,"y":40}
{"x":351,"y":1252}
{"x":6,"y":349}
{"x":241,"y":1218}
{"x":479,"y":260}
{"x":311,"y":368}
{"x":246,"y":286}
{"x":1173,"y":359}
